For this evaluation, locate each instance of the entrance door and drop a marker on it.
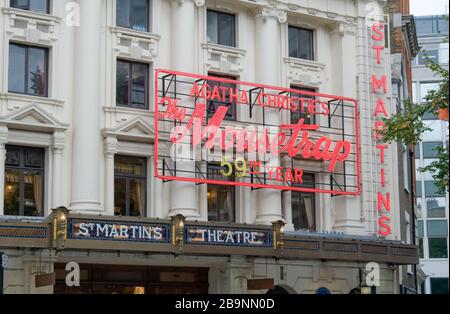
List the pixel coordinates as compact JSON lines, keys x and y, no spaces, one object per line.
{"x":112,"y":279}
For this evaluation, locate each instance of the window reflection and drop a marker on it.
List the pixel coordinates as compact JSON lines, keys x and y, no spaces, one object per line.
{"x":214,"y":104}
{"x":134,"y":14}
{"x":28,"y":70}
{"x":303,"y":106}
{"x":303,"y":206}
{"x":301,"y":43}
{"x":132,"y":84}
{"x":221,"y":198}
{"x":41,"y":6}
{"x":221,"y":28}
{"x":130,"y":181}
{"x":24,"y":181}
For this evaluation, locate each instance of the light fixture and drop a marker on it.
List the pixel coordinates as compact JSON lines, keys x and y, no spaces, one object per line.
{"x":178,"y":231}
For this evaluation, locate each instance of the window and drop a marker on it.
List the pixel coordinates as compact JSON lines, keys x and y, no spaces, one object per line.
{"x":429,"y":115}
{"x":132,"y":89}
{"x":303,"y":206}
{"x":213,"y":104}
{"x":42,"y":6}
{"x":425,"y":88}
{"x":437,"y":238}
{"x":431,"y":189}
{"x":301,"y":43}
{"x":431,"y":25}
{"x":429,"y":149}
{"x":221,"y":198}
{"x":439,"y":285}
{"x":437,"y":228}
{"x":130,"y":180}
{"x":419,"y":189}
{"x":433,"y":55}
{"x":28,"y":68}
{"x":24,"y":181}
{"x":436,"y":133}
{"x":435,"y":207}
{"x":417,"y":152}
{"x":133,"y":14}
{"x":437,"y":247}
{"x":420,"y":232}
{"x":221,"y":28}
{"x":303,"y":106}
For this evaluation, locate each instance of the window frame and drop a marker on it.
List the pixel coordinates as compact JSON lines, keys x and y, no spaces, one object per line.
{"x":26,"y":74}
{"x":148,"y":27}
{"x":445,"y":240}
{"x":216,"y":166}
{"x":128,"y":178}
{"x":233,"y":104}
{"x":435,"y":279}
{"x":22,"y":168}
{"x":312,"y":118}
{"x":425,"y":152}
{"x":312,"y":43}
{"x":147,"y":90}
{"x":234,"y":30}
{"x":313,"y":197}
{"x":47,"y":2}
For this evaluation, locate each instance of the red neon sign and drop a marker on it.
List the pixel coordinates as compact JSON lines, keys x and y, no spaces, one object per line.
{"x":379,"y":88}
{"x":192,"y":123}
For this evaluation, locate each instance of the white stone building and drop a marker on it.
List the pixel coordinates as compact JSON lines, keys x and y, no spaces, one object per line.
{"x":78,"y":134}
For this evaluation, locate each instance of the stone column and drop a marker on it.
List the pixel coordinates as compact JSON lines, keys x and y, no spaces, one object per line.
{"x":183,"y":195}
{"x":86,"y":109}
{"x":347,"y":208}
{"x":3,"y":141}
{"x":110,"y":151}
{"x":268,"y":61}
{"x":58,"y":145}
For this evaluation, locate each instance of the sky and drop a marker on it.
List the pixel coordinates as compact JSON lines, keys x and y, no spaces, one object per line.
{"x":428,"y":7}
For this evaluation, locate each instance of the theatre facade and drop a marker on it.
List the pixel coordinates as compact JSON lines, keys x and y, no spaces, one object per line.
{"x":181,"y":146}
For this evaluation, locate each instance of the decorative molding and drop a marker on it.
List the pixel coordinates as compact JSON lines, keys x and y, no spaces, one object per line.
{"x":3,"y":135}
{"x":271,"y":12}
{"x":345,"y":29}
{"x":33,"y":117}
{"x":32,"y":26}
{"x":110,"y":145}
{"x":135,"y":44}
{"x":223,"y":59}
{"x":305,"y":72}
{"x":198,"y":3}
{"x":58,"y":141}
{"x":135,"y":129}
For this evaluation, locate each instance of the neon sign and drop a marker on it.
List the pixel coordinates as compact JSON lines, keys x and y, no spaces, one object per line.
{"x":379,"y":90}
{"x":276,"y":136}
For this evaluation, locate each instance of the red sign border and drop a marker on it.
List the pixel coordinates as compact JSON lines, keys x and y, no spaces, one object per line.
{"x":254,"y":185}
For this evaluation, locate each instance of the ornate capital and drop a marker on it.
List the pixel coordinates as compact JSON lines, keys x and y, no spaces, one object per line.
{"x":198,"y":3}
{"x":111,"y":145}
{"x":271,"y":12}
{"x":3,"y":135}
{"x":345,"y":29}
{"x":58,"y":141}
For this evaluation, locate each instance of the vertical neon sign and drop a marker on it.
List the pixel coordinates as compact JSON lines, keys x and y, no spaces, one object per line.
{"x":379,"y":89}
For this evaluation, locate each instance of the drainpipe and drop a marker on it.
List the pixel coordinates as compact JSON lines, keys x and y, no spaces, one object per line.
{"x":411,"y":149}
